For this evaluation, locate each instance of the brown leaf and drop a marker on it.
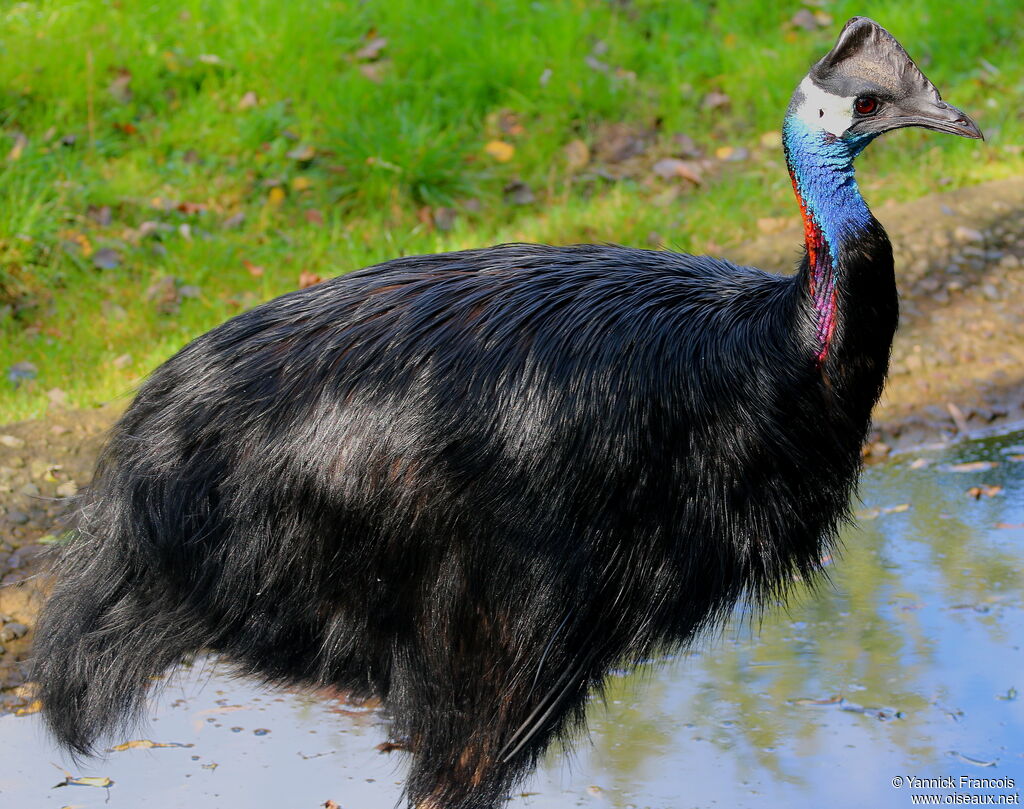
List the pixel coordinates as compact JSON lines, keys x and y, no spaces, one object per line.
{"x":375,"y":71}
{"x":302,"y":153}
{"x":313,"y":216}
{"x":669,"y":167}
{"x":371,"y":50}
{"x":255,"y":270}
{"x":248,"y":101}
{"x":973,"y":466}
{"x":577,"y":154}
{"x":20,"y":142}
{"x":308,"y":279}
{"x":715,"y":100}
{"x":1010,"y":525}
{"x":977,"y":492}
{"x":120,"y":86}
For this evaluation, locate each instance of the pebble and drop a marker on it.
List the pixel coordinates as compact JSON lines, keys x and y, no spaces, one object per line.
{"x":12,"y":441}
{"x":17,"y":517}
{"x":13,"y":631}
{"x":962,"y":233}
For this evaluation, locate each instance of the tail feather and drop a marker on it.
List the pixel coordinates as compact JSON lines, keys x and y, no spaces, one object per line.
{"x":101,"y":639}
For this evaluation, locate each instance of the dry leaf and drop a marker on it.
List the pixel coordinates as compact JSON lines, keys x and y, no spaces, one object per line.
{"x":87,"y":781}
{"x":371,"y":50}
{"x":670,"y":167}
{"x":248,"y":101}
{"x":973,"y":466}
{"x":20,"y":142}
{"x":500,"y":150}
{"x":577,"y":154}
{"x":145,"y":744}
{"x":308,"y":279}
{"x":276,"y":196}
{"x":313,"y":216}
{"x":977,"y":492}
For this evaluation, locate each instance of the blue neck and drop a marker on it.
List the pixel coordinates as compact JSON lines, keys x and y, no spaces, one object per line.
{"x":821,"y":166}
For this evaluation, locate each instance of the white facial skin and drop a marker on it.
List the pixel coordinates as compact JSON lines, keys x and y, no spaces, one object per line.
{"x":822,"y":110}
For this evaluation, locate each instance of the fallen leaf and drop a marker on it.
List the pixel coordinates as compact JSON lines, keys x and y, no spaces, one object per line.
{"x":1010,"y":526}
{"x":86,"y":781}
{"x":301,"y":184}
{"x":120,"y":86}
{"x":958,"y":417}
{"x":20,"y":142}
{"x":308,"y":279}
{"x":771,"y":139}
{"x":977,"y":492}
{"x":313,"y":216}
{"x":371,"y":50}
{"x":248,"y":101}
{"x":302,"y":153}
{"x":973,"y":466}
{"x":374,"y":71}
{"x":145,"y":744}
{"x":500,"y":150}
{"x":35,"y":706}
{"x":577,"y":154}
{"x":715,"y":100}
{"x":671,"y":167}
{"x":896,"y":509}
{"x":920,"y":463}
{"x":275,"y":196}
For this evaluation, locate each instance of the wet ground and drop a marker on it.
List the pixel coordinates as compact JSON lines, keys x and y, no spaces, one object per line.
{"x":909,"y":664}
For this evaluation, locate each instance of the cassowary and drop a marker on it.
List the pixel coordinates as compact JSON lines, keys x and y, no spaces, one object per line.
{"x":471,"y":483}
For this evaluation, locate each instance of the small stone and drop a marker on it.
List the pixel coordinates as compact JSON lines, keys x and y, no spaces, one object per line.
{"x":991,"y":292}
{"x":964,"y":234}
{"x":29,"y":490}
{"x":13,"y":632}
{"x":17,"y":517}
{"x":12,"y":441}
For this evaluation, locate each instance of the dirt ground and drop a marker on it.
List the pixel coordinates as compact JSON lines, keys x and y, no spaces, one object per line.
{"x":958,"y":369}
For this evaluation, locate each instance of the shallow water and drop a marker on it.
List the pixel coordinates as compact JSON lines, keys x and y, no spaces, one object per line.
{"x":907,"y":665}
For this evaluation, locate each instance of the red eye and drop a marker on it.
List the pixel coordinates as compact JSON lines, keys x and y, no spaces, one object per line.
{"x":865,"y":105}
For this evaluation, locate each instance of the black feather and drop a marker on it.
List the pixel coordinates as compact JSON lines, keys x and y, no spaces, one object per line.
{"x":470,"y":484}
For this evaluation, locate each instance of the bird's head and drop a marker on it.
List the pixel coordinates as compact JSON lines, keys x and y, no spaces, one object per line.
{"x":867,"y":85}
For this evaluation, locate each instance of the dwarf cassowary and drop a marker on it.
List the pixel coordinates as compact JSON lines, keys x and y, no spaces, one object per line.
{"x":472,"y":483}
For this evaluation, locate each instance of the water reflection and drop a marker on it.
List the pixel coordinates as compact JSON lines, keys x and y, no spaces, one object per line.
{"x":906,"y":664}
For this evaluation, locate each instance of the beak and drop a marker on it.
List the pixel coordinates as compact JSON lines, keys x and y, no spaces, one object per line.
{"x":930,"y":112}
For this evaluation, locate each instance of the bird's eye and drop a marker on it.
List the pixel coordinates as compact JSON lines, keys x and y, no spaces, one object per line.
{"x":865,"y":105}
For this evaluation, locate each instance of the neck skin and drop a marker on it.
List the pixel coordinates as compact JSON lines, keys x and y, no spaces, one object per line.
{"x":821,"y":167}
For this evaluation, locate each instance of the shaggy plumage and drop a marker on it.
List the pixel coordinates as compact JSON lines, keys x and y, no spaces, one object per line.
{"x":470,"y":484}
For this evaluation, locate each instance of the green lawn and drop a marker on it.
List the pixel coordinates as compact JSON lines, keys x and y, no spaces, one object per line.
{"x":236,"y":145}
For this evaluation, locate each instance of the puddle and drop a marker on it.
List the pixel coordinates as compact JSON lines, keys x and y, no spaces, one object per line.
{"x":909,"y":664}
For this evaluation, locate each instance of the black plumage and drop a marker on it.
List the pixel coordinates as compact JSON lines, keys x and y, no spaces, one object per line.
{"x":469,"y":484}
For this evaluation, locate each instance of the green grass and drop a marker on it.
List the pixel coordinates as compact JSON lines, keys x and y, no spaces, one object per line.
{"x":136,"y":106}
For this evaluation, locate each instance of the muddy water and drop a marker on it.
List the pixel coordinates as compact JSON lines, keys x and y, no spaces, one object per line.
{"x":909,"y":664}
